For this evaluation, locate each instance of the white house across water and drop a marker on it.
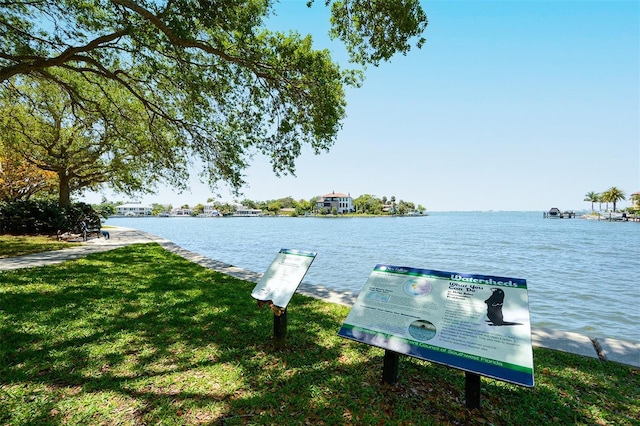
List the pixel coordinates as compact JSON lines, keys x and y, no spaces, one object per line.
{"x":133,"y":210}
{"x":343,"y":203}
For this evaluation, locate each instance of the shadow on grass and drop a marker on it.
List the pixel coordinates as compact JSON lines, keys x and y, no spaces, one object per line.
{"x":140,"y":336}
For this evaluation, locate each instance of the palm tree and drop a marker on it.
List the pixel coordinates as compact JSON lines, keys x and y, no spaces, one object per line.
{"x":604,"y":198}
{"x":614,"y":195}
{"x":600,"y":200}
{"x":592,"y":197}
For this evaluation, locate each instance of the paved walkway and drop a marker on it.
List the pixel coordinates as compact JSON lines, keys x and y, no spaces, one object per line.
{"x":621,"y":351}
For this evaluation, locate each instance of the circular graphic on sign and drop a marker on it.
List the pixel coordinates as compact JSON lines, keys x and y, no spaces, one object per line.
{"x":415,"y":287}
{"x":422,"y":330}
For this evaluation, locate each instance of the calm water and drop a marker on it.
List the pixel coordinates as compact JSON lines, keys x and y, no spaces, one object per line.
{"x":582,"y":275}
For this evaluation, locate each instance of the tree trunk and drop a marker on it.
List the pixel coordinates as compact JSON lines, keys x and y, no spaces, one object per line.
{"x":64,"y":194}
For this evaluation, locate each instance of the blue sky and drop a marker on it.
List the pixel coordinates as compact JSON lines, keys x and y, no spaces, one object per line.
{"x":510,"y":105}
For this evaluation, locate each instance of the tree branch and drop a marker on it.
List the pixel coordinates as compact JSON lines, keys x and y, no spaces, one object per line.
{"x":69,"y":54}
{"x":187,"y":43}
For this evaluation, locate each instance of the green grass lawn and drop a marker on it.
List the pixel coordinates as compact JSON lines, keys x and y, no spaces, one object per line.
{"x":141,"y":336}
{"x":17,"y":245}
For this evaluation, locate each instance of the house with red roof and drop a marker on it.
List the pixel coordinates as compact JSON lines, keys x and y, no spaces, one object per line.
{"x":343,"y":203}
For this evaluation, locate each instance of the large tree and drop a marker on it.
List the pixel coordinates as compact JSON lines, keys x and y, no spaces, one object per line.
{"x":87,"y":137}
{"x":222,"y":84}
{"x":368,"y":204}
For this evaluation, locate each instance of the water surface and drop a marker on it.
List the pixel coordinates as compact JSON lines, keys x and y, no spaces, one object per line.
{"x":582,"y":275}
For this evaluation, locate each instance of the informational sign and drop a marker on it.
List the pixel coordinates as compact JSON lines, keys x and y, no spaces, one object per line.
{"x":280,"y":281}
{"x":476,"y":323}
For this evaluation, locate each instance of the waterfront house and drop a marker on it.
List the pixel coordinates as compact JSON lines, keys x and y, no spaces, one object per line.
{"x":343,"y":203}
{"x":133,"y":209}
{"x":635,"y":200}
{"x":243,"y":211}
{"x":210,"y":211}
{"x":181,"y":212}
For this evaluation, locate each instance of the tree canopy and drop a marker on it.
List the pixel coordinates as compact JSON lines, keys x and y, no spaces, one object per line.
{"x":88,"y":142}
{"x":21,"y":180}
{"x":592,"y":197}
{"x":613,"y":195}
{"x":201,"y":80}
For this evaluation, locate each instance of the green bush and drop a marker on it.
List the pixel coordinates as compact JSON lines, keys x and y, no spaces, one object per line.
{"x":44,"y":217}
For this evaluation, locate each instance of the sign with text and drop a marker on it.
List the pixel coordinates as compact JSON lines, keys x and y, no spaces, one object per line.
{"x":280,"y":281}
{"x":476,"y":323}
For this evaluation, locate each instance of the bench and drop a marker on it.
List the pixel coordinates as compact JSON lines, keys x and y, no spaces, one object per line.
{"x":87,"y":232}
{"x":82,"y":230}
{"x":83,"y":234}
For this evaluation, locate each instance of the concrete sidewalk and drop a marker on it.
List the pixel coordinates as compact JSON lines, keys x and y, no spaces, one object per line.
{"x":616,"y":350}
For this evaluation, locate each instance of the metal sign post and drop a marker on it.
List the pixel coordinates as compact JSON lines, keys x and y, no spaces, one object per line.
{"x":279,"y":283}
{"x":390,"y":367}
{"x":280,"y":328}
{"x":472,"y":390}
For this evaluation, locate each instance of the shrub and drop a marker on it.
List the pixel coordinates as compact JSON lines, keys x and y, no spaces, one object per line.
{"x":44,"y":217}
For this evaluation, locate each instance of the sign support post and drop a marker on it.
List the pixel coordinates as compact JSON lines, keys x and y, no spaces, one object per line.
{"x":390,"y":367}
{"x":472,"y":390}
{"x":280,"y":327}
